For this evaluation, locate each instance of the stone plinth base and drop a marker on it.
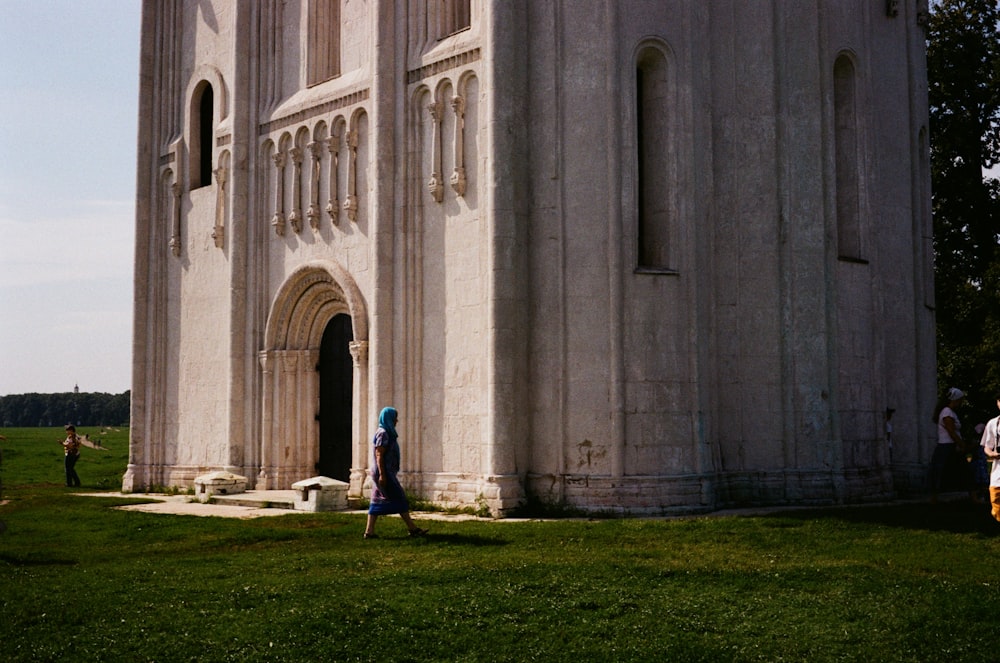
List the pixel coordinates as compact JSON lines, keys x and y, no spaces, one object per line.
{"x":498,"y":494}
{"x":320,"y":494}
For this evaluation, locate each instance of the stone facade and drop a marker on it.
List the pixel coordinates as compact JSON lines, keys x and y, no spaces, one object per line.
{"x":626,"y":256}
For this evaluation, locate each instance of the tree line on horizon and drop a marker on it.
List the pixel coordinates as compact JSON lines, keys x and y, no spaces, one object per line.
{"x":79,"y":409}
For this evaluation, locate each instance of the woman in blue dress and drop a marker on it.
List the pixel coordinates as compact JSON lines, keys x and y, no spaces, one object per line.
{"x":387,"y":493}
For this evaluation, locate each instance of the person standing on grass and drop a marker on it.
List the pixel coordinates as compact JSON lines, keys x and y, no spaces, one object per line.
{"x":949,"y":443}
{"x":71,"y":448}
{"x":387,"y":493}
{"x":991,"y":448}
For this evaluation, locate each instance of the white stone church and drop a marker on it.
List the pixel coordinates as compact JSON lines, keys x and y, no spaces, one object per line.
{"x":631,"y":256}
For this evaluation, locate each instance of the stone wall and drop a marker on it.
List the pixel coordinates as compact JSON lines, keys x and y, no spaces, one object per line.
{"x":627,"y":256}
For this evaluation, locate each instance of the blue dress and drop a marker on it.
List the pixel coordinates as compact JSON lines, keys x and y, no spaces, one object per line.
{"x":392,"y":499}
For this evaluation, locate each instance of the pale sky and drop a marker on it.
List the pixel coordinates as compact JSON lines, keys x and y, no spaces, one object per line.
{"x":69,"y":74}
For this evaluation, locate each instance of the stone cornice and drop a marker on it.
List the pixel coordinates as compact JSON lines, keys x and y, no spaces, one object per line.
{"x":445,"y":64}
{"x":308,"y":113}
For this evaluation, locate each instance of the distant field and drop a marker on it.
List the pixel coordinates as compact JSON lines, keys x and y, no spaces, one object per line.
{"x":33,"y":456}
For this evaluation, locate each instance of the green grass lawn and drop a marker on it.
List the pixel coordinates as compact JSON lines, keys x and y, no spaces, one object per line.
{"x":82,"y":581}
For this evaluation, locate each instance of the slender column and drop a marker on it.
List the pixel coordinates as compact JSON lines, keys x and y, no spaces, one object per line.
{"x":506,"y":106}
{"x":287,"y":415}
{"x":266,"y":475}
{"x":436,"y":185}
{"x":359,"y":413}
{"x":351,"y":204}
{"x":295,"y":218}
{"x":218,"y":233}
{"x":175,"y":237}
{"x":309,"y":375}
{"x":316,"y":151}
{"x":153,"y":222}
{"x":278,"y":220}
{"x":458,"y":176}
{"x":616,"y":287}
{"x":333,"y":204}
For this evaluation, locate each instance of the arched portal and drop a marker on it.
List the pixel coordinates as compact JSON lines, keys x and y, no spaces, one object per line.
{"x":317,"y":299}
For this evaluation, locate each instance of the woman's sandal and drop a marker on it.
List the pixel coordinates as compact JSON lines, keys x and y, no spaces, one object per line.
{"x":417,"y":531}
{"x":371,"y":535}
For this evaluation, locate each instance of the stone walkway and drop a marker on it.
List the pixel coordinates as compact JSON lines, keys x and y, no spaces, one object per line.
{"x":187,"y":505}
{"x":251,"y":504}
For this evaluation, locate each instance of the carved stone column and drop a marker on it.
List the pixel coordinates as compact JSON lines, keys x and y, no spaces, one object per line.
{"x":436,"y":185}
{"x":458,"y":176}
{"x":295,"y":218}
{"x":306,"y":396}
{"x":351,"y":204}
{"x":309,"y":444}
{"x":175,"y":235}
{"x":266,"y":475}
{"x":359,"y":456}
{"x":287,"y":415}
{"x":218,"y":233}
{"x":333,"y":204}
{"x":315,"y":151}
{"x":278,"y":220}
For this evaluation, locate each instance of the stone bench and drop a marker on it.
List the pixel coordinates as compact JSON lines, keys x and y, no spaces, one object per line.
{"x":218,"y":483}
{"x":320,"y":494}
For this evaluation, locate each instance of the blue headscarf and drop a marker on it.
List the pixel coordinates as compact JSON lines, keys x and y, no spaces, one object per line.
{"x":387,"y":420}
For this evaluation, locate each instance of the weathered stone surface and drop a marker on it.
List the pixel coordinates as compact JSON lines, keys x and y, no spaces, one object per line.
{"x":218,"y":483}
{"x":320,"y":494}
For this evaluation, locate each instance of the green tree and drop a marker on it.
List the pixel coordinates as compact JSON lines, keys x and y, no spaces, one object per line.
{"x":963,"y":68}
{"x":83,"y":409}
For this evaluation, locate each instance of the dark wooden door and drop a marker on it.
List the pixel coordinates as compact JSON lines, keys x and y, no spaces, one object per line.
{"x":336,"y":381}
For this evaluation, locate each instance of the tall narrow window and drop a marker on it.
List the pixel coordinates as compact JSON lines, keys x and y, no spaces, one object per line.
{"x":202,"y":135}
{"x":849,"y":244}
{"x":653,"y":156}
{"x":455,"y":16}
{"x":324,"y":41}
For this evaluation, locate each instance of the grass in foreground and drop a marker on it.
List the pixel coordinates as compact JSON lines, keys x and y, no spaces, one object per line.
{"x":81,"y":580}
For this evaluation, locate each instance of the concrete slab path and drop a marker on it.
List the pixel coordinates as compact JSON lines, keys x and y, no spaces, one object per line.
{"x":251,"y":504}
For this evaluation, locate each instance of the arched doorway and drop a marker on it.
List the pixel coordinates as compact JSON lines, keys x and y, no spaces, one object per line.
{"x":336,"y":378}
{"x":317,"y":327}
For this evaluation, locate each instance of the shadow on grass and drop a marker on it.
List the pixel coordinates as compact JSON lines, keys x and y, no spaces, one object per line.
{"x":35,"y":559}
{"x":451,"y":539}
{"x":957,"y":517}
{"x":465,"y":540}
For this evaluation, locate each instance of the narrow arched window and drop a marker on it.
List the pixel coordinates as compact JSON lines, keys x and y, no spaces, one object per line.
{"x":324,"y":41}
{"x":847,"y":162}
{"x":455,"y":16}
{"x":653,"y":158}
{"x":202,"y":135}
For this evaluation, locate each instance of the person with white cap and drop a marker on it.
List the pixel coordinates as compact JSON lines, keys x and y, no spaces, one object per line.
{"x":949,"y":442}
{"x":991,"y":446}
